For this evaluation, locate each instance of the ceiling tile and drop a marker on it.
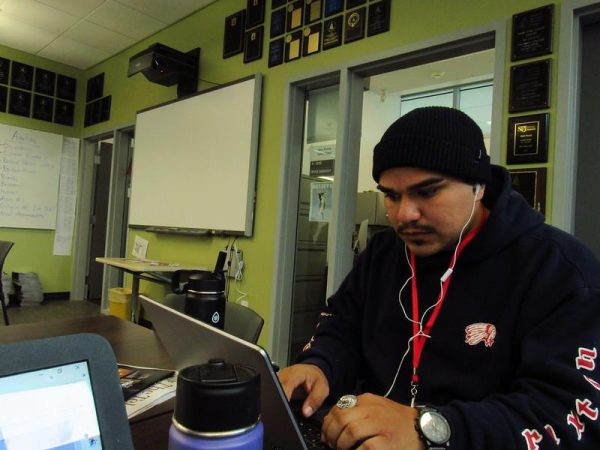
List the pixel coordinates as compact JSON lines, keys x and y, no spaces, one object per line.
{"x":79,"y":8}
{"x":73,"y":53}
{"x":21,"y":36}
{"x":170,"y":11}
{"x":99,"y":37}
{"x":38,"y":15}
{"x":121,"y":19}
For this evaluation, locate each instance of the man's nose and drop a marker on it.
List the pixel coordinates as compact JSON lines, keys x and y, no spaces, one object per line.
{"x":407,"y":211}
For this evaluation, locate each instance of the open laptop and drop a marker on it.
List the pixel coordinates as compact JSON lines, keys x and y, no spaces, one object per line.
{"x":62,"y":393}
{"x":190,"y":342}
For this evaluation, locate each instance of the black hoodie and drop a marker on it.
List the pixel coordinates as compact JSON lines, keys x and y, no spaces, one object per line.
{"x":511,"y":358}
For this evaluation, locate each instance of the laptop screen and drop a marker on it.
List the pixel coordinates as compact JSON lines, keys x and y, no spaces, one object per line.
{"x":50,"y":408}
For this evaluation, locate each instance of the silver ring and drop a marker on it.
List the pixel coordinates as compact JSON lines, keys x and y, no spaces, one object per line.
{"x":347,"y":401}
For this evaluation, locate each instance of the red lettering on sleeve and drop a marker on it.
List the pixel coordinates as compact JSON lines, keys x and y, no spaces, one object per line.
{"x":573,"y":420}
{"x":532,"y":439}
{"x":584,"y":408}
{"x":592,"y":382}
{"x":586,"y":358}
{"x":550,"y":430}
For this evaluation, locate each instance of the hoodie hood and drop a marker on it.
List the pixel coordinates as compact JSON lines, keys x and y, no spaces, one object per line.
{"x":510,"y":218}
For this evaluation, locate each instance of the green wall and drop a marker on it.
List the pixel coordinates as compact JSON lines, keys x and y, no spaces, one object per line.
{"x":412,"y":22}
{"x":33,"y":248}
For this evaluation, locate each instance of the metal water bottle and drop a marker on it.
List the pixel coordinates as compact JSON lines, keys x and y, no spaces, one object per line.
{"x":217,"y":406}
{"x":205,"y":298}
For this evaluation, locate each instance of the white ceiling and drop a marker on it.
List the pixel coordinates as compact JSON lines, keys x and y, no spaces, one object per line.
{"x":82,"y":33}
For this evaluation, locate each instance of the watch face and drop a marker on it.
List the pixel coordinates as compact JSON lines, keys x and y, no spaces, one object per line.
{"x":434,"y":427}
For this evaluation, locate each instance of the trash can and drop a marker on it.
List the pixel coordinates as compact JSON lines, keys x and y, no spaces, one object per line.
{"x":119,"y":300}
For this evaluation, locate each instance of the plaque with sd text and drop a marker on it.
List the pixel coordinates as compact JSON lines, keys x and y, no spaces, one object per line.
{"x":19,"y":102}
{"x":255,"y":13}
{"x":3,"y":98}
{"x":276,"y":49}
{"x":355,"y":25}
{"x":233,"y":39}
{"x":532,"y":33}
{"x":295,"y":14}
{"x":21,"y":75}
{"x":531,"y":184}
{"x":527,"y":139}
{"x":64,"y":112}
{"x":4,"y":68}
{"x":529,"y":86}
{"x":332,"y":32}
{"x":293,"y":46}
{"x":42,"y":107}
{"x":44,"y":81}
{"x":66,"y":87}
{"x":312,"y":11}
{"x":253,"y":44}
{"x":311,"y":42}
{"x":379,"y":18}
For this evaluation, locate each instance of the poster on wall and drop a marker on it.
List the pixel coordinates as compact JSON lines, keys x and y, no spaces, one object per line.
{"x":320,"y":201}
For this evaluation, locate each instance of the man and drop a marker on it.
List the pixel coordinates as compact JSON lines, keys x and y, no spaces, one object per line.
{"x":470,"y":324}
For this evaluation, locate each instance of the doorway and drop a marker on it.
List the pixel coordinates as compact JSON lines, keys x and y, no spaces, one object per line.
{"x":352,"y":82}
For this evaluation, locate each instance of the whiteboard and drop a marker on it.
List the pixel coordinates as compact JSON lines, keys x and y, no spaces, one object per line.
{"x":194,"y":161}
{"x":29,"y":177}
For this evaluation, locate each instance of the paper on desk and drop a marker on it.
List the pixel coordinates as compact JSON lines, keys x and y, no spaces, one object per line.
{"x":152,"y":396}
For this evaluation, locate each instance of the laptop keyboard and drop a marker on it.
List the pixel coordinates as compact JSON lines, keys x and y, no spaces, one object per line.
{"x":311,"y":432}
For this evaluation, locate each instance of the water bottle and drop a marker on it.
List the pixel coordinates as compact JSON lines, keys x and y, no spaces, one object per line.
{"x":217,"y":406}
{"x":205,"y":298}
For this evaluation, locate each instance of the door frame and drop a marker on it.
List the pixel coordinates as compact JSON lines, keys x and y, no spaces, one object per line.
{"x":567,"y":116}
{"x":352,"y":77}
{"x":116,"y":221}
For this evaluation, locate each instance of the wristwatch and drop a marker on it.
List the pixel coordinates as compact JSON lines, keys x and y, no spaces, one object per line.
{"x":433,"y":428}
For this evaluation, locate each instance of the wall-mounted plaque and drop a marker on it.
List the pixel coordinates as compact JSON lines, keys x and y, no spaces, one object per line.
{"x":255,"y":13}
{"x":531,"y":184}
{"x":312,"y":11}
{"x":277,"y":3}
{"x":277,"y":22}
{"x":42,"y":107}
{"x":354,"y":3}
{"x":233,"y":37}
{"x":21,"y":75}
{"x":3,"y":98}
{"x":311,"y":42}
{"x":532,"y":33}
{"x":527,"y":139}
{"x":253,"y":44}
{"x":4,"y":70}
{"x":293,"y":46}
{"x":529,"y":86}
{"x":355,"y":25}
{"x":64,"y":112}
{"x":44,"y":81}
{"x":379,"y":18}
{"x":332,"y":32}
{"x":66,"y":87}
{"x":276,"y":49}
{"x":95,"y":87}
{"x":19,"y":102}
{"x":333,"y":7}
{"x":295,"y":11}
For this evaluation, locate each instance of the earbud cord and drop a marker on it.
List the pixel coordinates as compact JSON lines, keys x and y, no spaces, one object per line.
{"x":418,"y":324}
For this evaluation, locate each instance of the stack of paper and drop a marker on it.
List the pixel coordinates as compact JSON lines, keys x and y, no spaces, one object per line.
{"x":30,"y":288}
{"x":152,"y":396}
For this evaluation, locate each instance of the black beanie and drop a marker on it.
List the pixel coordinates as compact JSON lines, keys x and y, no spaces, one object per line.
{"x":435,"y":138}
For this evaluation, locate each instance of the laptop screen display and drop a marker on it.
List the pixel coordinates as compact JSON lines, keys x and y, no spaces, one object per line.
{"x":51,"y":408}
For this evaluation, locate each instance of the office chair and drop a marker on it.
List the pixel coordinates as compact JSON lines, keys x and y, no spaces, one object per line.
{"x":5,"y":247}
{"x":240,"y":321}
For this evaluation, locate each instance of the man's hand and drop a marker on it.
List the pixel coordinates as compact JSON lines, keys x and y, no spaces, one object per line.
{"x":374,"y":423}
{"x":309,"y":378}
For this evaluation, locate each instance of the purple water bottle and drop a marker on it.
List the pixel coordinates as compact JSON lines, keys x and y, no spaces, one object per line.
{"x":217,"y":407}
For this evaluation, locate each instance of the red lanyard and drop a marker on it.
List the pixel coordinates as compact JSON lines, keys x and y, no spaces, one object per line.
{"x":419,"y":338}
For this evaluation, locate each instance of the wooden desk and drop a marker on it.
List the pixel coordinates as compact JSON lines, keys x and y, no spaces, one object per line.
{"x":132,"y":344}
{"x":155,"y":271}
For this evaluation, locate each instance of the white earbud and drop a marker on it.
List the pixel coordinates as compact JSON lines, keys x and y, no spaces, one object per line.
{"x":476,"y":189}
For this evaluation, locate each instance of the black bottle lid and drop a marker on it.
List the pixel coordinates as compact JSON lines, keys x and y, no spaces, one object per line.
{"x":205,"y":282}
{"x":217,"y":397}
